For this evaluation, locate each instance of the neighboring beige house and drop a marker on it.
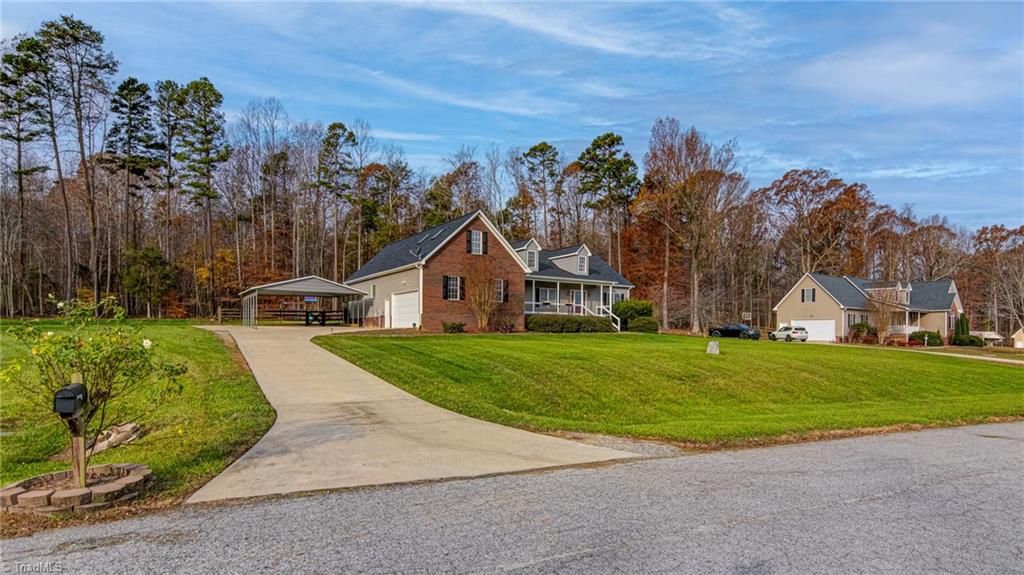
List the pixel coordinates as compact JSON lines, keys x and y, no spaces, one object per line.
{"x":828,"y":305}
{"x":1018,"y":338}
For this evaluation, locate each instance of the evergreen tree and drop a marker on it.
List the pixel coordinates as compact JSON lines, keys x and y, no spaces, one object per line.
{"x":334,"y":171}
{"x":147,"y":276}
{"x":167,"y":114}
{"x":36,"y":66}
{"x":203,"y":148}
{"x":609,"y":176}
{"x":76,"y":52}
{"x":543,"y":178}
{"x":22,"y":122}
{"x":132,"y":141}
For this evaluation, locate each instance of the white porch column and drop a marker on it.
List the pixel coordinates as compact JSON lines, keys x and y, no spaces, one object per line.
{"x":558,"y":297}
{"x":583,"y":300}
{"x":533,"y":295}
{"x":906,"y":321}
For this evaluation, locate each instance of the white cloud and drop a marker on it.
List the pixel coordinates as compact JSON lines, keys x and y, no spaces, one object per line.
{"x":565,"y":27}
{"x":404,"y":136}
{"x":730,"y":33}
{"x":931,"y":171}
{"x":909,"y":73}
{"x":517,"y":102}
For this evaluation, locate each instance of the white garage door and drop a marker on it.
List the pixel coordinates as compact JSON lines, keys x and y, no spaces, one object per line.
{"x":817,"y":329}
{"x":405,"y":309}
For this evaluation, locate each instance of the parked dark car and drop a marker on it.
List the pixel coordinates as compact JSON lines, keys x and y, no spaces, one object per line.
{"x":740,"y":330}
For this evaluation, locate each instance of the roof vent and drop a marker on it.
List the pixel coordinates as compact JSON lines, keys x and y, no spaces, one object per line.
{"x":437,"y":233}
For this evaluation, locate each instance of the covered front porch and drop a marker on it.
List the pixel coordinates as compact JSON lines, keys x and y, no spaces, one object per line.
{"x":904,"y":323}
{"x":573,"y":298}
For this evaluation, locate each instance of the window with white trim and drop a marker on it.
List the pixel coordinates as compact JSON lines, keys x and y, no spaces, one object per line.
{"x":619,"y":296}
{"x":373,"y":290}
{"x":581,"y":264}
{"x":476,"y":242}
{"x":499,"y":290}
{"x":547,"y":295}
{"x":807,"y":295}
{"x":531,"y":259}
{"x":452,"y":287}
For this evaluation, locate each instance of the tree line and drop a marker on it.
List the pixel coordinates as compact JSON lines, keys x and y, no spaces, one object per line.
{"x":146,"y":191}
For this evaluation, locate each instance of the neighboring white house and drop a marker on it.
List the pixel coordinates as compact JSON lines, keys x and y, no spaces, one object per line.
{"x":1018,"y":338}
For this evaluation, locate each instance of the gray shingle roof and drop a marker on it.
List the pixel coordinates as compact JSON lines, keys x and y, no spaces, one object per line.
{"x":599,"y":269}
{"x":933,"y":295}
{"x":519,"y":244}
{"x":845,"y":292}
{"x":924,"y":295}
{"x":410,"y":250}
{"x":416,"y":247}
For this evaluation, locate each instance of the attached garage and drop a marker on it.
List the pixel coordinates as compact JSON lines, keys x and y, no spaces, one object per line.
{"x":405,"y":309}
{"x":817,"y":329}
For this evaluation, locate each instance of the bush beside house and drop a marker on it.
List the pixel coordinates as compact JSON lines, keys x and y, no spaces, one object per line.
{"x":630,"y":309}
{"x":644,"y":325}
{"x":568,"y":324}
{"x":927,"y":338}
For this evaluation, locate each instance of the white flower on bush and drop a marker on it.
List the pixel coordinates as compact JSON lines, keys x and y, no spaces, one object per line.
{"x":147,"y":344}
{"x":49,"y":334}
{"x":60,"y":305}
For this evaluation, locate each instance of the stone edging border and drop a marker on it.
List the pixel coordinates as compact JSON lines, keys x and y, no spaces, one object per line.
{"x":126,"y":482}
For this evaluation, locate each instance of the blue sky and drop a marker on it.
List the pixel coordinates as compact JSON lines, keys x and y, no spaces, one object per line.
{"x":923,"y":102}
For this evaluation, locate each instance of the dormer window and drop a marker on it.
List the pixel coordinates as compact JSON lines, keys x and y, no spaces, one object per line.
{"x":581,"y":264}
{"x":531,"y":259}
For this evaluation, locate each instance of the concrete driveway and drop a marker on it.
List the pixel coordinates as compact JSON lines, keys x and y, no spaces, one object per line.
{"x":339,"y":426}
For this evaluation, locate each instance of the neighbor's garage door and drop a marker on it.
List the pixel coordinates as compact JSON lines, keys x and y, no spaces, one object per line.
{"x":817,"y":329}
{"x":405,"y":309}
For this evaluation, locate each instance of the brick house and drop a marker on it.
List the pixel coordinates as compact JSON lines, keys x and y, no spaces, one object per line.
{"x":422,"y":281}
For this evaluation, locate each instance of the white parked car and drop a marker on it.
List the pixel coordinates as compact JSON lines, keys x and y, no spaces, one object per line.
{"x":789,"y":333}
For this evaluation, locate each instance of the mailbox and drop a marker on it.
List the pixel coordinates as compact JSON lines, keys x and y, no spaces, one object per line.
{"x":69,"y":400}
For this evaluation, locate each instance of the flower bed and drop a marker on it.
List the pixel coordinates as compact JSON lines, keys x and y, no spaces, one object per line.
{"x":108,"y":485}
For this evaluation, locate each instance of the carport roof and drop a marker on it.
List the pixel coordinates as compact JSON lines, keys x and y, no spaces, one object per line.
{"x":309,"y":285}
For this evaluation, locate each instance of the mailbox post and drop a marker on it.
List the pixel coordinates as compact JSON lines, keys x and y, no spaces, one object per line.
{"x":69,"y":402}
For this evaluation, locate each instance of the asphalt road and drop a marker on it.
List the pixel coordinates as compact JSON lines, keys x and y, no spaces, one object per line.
{"x":948,"y":501}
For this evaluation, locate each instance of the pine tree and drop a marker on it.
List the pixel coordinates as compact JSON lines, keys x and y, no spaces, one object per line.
{"x":77,"y":55}
{"x":333,"y":172}
{"x":22,"y":122}
{"x":168,"y":114}
{"x":203,"y":148}
{"x":609,"y":176}
{"x":132,"y":141}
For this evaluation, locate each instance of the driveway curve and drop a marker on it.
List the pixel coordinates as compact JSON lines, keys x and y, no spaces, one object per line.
{"x":340,"y":426}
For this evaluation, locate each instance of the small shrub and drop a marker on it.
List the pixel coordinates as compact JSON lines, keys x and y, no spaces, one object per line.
{"x":630,"y":309}
{"x":504,"y":325}
{"x":929,"y":338}
{"x":864,"y":328}
{"x":644,"y":325}
{"x":968,"y":341}
{"x":454,"y":327}
{"x":870,"y":339}
{"x":568,"y":324}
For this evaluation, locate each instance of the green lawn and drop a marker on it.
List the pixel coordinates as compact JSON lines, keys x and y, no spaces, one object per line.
{"x":189,"y":439}
{"x":989,"y":351}
{"x":666,"y":386}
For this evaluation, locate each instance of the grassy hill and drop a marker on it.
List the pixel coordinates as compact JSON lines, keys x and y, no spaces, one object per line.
{"x":666,"y":386}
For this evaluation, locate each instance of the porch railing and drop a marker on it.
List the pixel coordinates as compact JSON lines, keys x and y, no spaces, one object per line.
{"x":903,"y":329}
{"x":567,"y":308}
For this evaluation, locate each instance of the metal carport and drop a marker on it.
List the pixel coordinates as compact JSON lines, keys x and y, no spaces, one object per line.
{"x":304,"y":286}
